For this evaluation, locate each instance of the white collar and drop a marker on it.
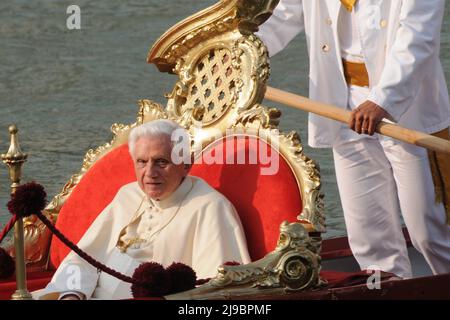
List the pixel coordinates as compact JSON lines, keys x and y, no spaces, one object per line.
{"x":175,"y":198}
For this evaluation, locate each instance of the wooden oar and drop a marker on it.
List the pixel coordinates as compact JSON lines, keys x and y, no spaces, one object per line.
{"x":332,"y":112}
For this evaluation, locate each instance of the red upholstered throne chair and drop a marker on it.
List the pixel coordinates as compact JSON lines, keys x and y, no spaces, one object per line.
{"x":222,"y":70}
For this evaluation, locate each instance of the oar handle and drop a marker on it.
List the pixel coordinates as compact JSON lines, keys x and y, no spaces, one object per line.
{"x":332,"y":112}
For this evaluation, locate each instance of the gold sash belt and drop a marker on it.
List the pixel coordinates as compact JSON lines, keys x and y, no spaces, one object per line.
{"x":356,"y":73}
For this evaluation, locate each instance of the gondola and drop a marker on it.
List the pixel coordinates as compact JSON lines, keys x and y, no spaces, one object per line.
{"x":222,"y":70}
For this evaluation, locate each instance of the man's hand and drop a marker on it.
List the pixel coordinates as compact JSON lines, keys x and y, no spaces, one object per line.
{"x":366,"y":118}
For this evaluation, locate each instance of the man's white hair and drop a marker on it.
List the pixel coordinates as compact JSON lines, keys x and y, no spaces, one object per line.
{"x":157,"y":128}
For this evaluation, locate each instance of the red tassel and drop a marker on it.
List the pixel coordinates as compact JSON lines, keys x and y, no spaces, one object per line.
{"x":182,"y":276}
{"x":28,"y":199}
{"x":150,"y":279}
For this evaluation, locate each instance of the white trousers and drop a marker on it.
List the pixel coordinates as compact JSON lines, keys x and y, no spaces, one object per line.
{"x":379,"y":179}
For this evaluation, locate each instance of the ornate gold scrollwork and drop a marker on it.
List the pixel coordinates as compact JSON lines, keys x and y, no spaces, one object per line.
{"x":37,"y":242}
{"x":294,"y":265}
{"x":225,"y":16}
{"x":252,"y":13}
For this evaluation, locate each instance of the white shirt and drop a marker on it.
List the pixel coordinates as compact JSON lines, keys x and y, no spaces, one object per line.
{"x":349,"y":39}
{"x":351,"y":50}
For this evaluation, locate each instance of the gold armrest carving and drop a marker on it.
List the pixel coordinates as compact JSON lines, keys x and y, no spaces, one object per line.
{"x":293,"y":266}
{"x":37,"y":240}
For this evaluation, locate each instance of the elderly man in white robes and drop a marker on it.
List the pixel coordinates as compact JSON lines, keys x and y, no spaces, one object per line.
{"x":166,"y":216}
{"x":379,"y":59}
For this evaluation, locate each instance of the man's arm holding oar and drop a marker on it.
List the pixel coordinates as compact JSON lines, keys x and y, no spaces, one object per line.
{"x":332,"y":112}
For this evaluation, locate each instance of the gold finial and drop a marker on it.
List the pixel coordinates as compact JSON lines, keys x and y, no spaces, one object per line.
{"x":13,"y":129}
{"x":14,"y":159}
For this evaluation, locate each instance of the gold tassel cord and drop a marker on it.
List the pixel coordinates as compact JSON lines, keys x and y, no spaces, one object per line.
{"x":440,"y":170}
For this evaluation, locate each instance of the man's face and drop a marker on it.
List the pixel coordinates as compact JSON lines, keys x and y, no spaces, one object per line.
{"x":156,"y":174}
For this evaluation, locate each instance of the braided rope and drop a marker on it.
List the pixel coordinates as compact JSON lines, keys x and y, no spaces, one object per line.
{"x":8,"y":227}
{"x":77,"y":250}
{"x":83,"y":254}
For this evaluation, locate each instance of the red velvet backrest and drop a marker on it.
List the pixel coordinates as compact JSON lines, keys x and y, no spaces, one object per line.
{"x":262,"y":201}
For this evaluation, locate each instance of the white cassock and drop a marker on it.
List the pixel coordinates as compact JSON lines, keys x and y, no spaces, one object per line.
{"x":378,"y":177}
{"x":196,"y":225}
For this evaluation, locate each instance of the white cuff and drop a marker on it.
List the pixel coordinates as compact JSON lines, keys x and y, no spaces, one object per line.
{"x":80,"y":295}
{"x":395,"y":113}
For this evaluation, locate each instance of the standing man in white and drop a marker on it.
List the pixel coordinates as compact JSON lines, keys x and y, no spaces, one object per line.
{"x":380,"y":59}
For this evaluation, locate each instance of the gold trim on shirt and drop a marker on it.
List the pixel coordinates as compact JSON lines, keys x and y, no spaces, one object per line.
{"x":177,"y":198}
